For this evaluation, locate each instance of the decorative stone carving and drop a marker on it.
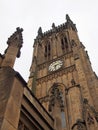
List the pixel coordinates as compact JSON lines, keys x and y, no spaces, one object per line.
{"x":16,"y":40}
{"x":40,"y":31}
{"x":70,"y":23}
{"x":53,"y":25}
{"x":57,"y":29}
{"x":56,"y":97}
{"x":68,"y":18}
{"x":59,"y":73}
{"x":16,"y":36}
{"x":89,"y":114}
{"x":73,"y":44}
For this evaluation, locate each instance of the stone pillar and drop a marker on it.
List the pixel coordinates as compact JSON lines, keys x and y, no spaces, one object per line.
{"x":74,"y":98}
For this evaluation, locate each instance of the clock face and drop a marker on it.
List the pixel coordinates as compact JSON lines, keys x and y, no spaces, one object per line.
{"x":55,"y":65}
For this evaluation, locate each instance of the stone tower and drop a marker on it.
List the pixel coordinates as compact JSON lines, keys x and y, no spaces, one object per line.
{"x":61,"y":77}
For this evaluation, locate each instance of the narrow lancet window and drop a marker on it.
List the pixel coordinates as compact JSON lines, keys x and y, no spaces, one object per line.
{"x":47,"y":50}
{"x":65,"y":39}
{"x":64,"y":43}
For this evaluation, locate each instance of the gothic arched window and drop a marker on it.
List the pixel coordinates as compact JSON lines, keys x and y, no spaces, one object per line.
{"x":65,"y":39}
{"x":64,"y":43}
{"x":56,"y":103}
{"x":47,"y":49}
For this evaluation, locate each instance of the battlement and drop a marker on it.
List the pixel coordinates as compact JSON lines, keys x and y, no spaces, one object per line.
{"x":55,"y":29}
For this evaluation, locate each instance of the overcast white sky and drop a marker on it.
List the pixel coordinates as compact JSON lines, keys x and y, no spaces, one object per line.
{"x":31,"y":14}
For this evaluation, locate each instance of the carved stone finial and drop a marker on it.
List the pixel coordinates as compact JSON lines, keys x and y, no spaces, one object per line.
{"x":40,"y":31}
{"x":19,"y":29}
{"x":70,"y":23}
{"x":16,"y":40}
{"x":68,"y":18}
{"x":53,"y":25}
{"x":13,"y":50}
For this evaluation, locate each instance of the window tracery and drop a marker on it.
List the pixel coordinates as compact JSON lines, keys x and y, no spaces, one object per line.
{"x":56,"y":97}
{"x":57,"y":100}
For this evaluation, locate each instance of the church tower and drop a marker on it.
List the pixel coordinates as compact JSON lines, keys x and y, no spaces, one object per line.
{"x":61,"y":77}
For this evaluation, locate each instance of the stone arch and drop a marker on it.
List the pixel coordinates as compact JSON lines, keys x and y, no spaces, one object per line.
{"x":57,"y":102}
{"x":61,"y":86}
{"x":79,"y":125}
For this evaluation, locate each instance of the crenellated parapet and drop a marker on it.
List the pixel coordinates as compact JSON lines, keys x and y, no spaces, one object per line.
{"x":55,"y":29}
